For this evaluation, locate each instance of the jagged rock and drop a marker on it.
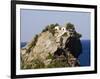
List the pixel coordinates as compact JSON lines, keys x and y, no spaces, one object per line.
{"x":48,"y":49}
{"x":45,"y":45}
{"x":74,"y":45}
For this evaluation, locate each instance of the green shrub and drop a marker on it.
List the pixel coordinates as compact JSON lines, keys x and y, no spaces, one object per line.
{"x":34,"y":64}
{"x":50,"y":28}
{"x":38,"y":64}
{"x":32,"y":45}
{"x":70,"y":26}
{"x":50,"y":56}
{"x":58,"y":63}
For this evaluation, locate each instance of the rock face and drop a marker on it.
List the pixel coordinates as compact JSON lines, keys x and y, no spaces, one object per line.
{"x":73,"y":44}
{"x":47,"y":50}
{"x":45,"y":46}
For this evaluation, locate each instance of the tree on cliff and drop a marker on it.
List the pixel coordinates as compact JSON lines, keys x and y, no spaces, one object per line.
{"x":70,"y":26}
{"x":50,"y":28}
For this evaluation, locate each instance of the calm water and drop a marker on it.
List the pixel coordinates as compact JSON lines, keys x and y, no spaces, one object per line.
{"x":84,"y":58}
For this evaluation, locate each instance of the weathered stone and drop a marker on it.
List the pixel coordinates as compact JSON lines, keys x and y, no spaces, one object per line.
{"x":40,"y":51}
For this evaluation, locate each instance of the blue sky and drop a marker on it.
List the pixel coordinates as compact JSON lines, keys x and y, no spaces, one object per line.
{"x":34,"y":21}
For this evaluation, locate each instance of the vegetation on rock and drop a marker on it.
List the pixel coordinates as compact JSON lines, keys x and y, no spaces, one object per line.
{"x":42,"y":51}
{"x":50,"y":28}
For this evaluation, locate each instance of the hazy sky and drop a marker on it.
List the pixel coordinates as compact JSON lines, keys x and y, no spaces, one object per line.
{"x":34,"y":21}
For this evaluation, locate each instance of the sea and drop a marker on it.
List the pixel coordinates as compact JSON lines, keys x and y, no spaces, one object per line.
{"x":84,"y":57}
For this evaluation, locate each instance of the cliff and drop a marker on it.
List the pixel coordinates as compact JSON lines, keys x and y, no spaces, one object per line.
{"x":49,"y":49}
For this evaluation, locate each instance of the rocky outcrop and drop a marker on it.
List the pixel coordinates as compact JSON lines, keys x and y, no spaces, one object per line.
{"x":49,"y":49}
{"x":45,"y":46}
